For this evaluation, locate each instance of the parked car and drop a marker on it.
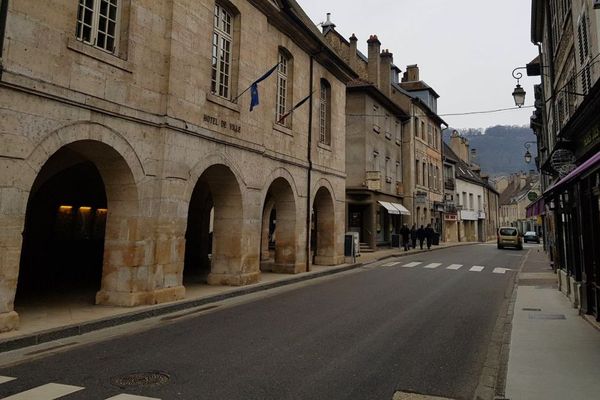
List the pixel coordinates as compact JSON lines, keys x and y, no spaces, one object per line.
{"x":509,"y":236}
{"x":531,"y":236}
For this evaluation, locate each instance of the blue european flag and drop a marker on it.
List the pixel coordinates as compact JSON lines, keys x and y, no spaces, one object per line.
{"x":254,"y":87}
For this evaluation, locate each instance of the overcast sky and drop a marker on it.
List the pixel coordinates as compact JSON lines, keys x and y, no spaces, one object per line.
{"x":465,"y":49}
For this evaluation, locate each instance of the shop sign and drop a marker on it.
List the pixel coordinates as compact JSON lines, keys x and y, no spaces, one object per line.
{"x":563,"y":161}
{"x":532,"y":196}
{"x":469,"y":215}
{"x":421,"y":198}
{"x":450,"y":217}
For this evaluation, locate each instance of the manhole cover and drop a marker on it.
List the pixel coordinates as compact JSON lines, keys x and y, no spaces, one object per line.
{"x":140,"y":379}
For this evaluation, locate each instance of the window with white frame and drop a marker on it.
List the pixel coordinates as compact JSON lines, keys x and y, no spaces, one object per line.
{"x":325,"y":113}
{"x":222,"y":46}
{"x":282,"y":86}
{"x":98,"y":23}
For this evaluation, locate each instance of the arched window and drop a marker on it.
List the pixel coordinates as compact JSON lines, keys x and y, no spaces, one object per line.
{"x":325,"y":113}
{"x":284,"y":86}
{"x":222,"y":48}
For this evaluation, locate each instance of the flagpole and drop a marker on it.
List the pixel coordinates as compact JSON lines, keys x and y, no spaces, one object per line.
{"x":264,"y":76}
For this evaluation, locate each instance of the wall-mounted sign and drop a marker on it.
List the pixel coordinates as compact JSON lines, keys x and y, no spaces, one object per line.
{"x":563,"y":161}
{"x":222,"y":123}
{"x":532,"y":196}
{"x":421,"y":198}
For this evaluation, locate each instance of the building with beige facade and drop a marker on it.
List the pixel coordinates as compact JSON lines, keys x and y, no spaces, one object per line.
{"x":397,"y":177}
{"x":129,"y":166}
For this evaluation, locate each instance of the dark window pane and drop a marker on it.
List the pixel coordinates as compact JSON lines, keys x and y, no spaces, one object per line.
{"x":100,"y":40}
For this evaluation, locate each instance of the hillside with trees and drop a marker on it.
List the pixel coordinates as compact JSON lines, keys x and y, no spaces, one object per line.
{"x":500,"y":149}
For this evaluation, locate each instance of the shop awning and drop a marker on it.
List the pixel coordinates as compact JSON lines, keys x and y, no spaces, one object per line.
{"x":536,"y":208}
{"x":587,"y":165}
{"x":394,"y":208}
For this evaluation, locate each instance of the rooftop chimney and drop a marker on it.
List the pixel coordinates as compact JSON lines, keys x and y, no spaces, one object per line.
{"x":385,"y":75}
{"x":352,"y":59}
{"x":327,"y":24}
{"x":374,"y":60}
{"x":411,"y":74}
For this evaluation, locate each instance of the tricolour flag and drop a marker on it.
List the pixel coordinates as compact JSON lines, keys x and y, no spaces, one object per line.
{"x":287,"y":114}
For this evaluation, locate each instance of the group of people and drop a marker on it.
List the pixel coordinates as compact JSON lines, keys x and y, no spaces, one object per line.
{"x":410,"y":236}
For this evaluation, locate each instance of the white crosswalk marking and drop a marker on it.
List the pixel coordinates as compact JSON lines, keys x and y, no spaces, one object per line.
{"x":130,"y":397}
{"x":4,"y":379}
{"x":500,"y":270}
{"x":412,"y":264}
{"x":49,"y":391}
{"x":432,"y":265}
{"x":454,"y":266}
{"x":476,"y":268}
{"x":391,"y":264}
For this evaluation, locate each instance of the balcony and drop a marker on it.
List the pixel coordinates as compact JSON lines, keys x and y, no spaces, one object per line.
{"x":449,"y":184}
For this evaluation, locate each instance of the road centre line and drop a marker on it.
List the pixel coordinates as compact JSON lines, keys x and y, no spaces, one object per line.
{"x":476,"y":268}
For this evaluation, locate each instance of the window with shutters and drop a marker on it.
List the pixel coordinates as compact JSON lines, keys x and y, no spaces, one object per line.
{"x":583,"y":45}
{"x":98,"y":24}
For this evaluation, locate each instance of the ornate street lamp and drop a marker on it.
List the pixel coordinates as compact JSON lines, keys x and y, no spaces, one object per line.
{"x":519,"y":92}
{"x":527,"y":153}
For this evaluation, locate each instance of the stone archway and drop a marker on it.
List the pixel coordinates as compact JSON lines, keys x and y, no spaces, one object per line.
{"x":323,"y":228}
{"x":214,"y":228}
{"x":80,"y":227}
{"x":279,"y":228}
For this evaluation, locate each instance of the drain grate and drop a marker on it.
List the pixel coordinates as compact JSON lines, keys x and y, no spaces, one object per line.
{"x":136,"y":379}
{"x":531,"y":309}
{"x":546,"y":316}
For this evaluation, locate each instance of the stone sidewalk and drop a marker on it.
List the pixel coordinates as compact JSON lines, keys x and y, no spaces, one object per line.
{"x":63,"y":317}
{"x":554,"y":353}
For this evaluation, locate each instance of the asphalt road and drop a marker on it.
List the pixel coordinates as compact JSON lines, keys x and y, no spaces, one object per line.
{"x":359,"y":335}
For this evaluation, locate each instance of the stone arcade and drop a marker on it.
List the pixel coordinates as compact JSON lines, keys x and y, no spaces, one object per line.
{"x":129,"y":170}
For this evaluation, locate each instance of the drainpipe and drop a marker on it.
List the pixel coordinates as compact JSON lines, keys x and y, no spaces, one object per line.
{"x":310,"y":166}
{"x":3,"y":14}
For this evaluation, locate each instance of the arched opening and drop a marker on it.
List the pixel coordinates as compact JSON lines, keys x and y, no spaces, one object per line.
{"x":81,"y":195}
{"x":214,"y":226}
{"x":323,"y":229}
{"x":278,"y":234}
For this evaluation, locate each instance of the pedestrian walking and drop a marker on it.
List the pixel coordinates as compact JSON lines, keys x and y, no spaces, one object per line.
{"x":405,"y":232}
{"x":429,"y":236}
{"x":421,"y":236}
{"x":413,"y":236}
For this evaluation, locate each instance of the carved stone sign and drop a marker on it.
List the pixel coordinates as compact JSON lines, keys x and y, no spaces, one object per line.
{"x":222,"y":123}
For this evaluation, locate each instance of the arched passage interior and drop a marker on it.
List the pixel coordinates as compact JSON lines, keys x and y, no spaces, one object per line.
{"x":81,"y":195}
{"x":278,"y":233}
{"x":323,"y":228}
{"x":214,"y":226}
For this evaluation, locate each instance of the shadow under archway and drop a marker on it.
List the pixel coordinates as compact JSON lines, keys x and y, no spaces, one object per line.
{"x":214,"y":227}
{"x":323,"y":229}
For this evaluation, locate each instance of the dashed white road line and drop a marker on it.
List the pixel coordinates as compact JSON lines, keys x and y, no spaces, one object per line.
{"x":130,"y":397}
{"x":412,"y":264}
{"x":454,"y":266}
{"x":476,"y":268}
{"x":4,"y":379}
{"x":49,"y":391}
{"x":500,"y":270}
{"x":432,"y":265}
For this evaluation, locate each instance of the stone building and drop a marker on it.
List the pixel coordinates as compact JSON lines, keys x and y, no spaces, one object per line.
{"x":567,"y":124}
{"x":374,"y":144}
{"x":411,"y":136}
{"x":129,"y":167}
